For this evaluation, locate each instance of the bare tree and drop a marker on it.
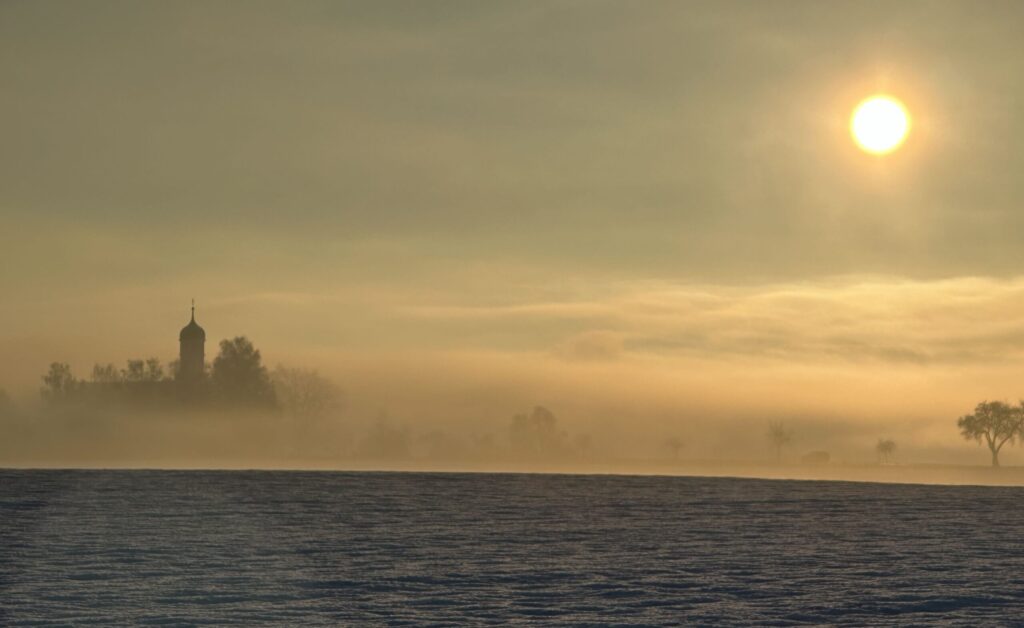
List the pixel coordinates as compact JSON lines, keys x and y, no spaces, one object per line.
{"x":134,"y":371}
{"x":996,"y":422}
{"x":779,"y":437}
{"x":885,"y":449}
{"x":674,"y":446}
{"x":154,"y":370}
{"x":105,"y":374}
{"x":59,"y":383}
{"x":140,"y":371}
{"x":305,"y":394}
{"x":537,"y":434}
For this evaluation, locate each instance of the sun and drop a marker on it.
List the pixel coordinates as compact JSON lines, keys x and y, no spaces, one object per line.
{"x":880,"y":124}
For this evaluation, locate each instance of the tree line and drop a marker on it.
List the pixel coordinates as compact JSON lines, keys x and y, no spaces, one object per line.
{"x":994,"y":423}
{"x":236,"y":377}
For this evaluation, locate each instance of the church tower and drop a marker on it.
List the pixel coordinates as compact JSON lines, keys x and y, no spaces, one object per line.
{"x":192,"y":356}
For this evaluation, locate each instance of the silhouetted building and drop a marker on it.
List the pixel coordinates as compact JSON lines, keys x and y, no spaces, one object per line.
{"x":192,"y":356}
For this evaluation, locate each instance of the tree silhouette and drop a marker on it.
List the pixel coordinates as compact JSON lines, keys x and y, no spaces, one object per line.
{"x":134,"y":371}
{"x":537,"y":433}
{"x":305,"y":394}
{"x":674,"y":446}
{"x":996,"y":422}
{"x":105,"y":374}
{"x":154,"y":370}
{"x":779,"y":437}
{"x":59,"y":383}
{"x":885,"y":449}
{"x":239,"y":376}
{"x":141,"y":371}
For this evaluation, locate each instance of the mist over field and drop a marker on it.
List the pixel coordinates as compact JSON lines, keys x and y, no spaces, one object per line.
{"x":842,"y":364}
{"x":547,"y":312}
{"x":653,"y":224}
{"x":598,"y":413}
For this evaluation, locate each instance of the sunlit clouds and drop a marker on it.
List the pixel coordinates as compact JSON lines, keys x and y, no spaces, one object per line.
{"x":631,"y":214}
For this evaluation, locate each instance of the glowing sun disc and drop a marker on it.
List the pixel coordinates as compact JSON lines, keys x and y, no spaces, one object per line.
{"x":880,"y":124}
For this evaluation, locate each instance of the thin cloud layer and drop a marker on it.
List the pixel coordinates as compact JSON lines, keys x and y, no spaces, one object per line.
{"x":639,"y":215}
{"x":965,"y":320}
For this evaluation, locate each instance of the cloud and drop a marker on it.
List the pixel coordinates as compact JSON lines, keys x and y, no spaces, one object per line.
{"x":656,"y":209}
{"x":844,"y":319}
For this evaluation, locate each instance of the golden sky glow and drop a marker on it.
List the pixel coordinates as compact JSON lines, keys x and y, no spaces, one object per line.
{"x":635,"y":213}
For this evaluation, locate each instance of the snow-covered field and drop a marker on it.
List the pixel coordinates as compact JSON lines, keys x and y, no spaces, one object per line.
{"x":245,"y":548}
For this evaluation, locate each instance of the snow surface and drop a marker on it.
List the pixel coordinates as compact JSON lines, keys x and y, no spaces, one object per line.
{"x":297,"y":548}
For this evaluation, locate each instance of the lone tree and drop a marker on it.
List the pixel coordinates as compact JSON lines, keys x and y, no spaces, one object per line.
{"x":239,"y":375}
{"x":58,"y":383}
{"x":674,"y":445}
{"x":994,"y":421}
{"x":305,"y":394}
{"x":779,"y":437}
{"x":537,"y":433}
{"x":885,"y":449}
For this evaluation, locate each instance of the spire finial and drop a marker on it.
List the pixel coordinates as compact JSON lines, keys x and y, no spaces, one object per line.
{"x":193,"y":310}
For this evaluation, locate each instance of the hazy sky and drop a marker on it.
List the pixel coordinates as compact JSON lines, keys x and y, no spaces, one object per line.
{"x":462,"y":208}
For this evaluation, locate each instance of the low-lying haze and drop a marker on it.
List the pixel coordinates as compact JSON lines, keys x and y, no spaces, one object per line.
{"x":648,"y":218}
